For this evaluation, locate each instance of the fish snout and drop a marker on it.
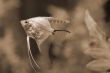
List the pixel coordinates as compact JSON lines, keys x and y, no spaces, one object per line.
{"x":23,"y":22}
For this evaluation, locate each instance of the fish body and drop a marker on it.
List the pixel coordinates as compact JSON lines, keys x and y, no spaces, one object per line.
{"x":39,"y":28}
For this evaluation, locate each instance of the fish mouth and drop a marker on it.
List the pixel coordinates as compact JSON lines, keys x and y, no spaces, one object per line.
{"x":25,"y":24}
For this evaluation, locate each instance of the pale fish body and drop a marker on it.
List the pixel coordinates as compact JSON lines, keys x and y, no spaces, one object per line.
{"x":39,"y":28}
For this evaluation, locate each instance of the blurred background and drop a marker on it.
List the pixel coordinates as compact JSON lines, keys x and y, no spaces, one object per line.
{"x":13,"y":48}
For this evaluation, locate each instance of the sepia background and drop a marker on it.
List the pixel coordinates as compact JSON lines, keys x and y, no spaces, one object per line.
{"x":13,"y":48}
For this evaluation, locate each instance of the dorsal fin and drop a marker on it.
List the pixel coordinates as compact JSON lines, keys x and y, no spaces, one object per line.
{"x":58,"y":23}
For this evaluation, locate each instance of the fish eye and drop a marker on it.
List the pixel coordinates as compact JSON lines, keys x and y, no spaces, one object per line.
{"x":26,"y":21}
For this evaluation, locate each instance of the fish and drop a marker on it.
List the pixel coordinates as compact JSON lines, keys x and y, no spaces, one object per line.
{"x":39,"y":28}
